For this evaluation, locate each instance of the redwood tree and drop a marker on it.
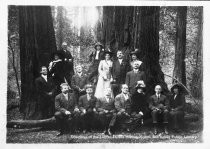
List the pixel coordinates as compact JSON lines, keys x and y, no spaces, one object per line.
{"x":180,"y":45}
{"x":37,"y":42}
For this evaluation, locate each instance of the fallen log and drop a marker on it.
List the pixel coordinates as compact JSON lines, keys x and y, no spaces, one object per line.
{"x":31,"y":123}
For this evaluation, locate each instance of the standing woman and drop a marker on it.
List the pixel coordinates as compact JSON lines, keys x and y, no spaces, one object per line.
{"x":105,"y":76}
{"x":134,"y":58}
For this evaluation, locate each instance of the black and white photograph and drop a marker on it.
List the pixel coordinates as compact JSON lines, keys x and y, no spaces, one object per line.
{"x":104,"y":74}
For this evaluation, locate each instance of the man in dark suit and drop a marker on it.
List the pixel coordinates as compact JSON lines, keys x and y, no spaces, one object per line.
{"x":68,"y":63}
{"x":159,"y":106}
{"x":134,"y":77}
{"x":107,"y":112}
{"x":78,"y":82}
{"x":87,"y":106}
{"x":66,"y":110}
{"x":95,"y":57}
{"x":177,"y":103}
{"x":45,"y":92}
{"x":119,"y":69}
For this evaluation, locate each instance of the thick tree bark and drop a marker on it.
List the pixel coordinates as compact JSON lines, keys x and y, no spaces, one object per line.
{"x":37,"y":42}
{"x":149,"y":45}
{"x":180,"y":45}
{"x":60,"y":27}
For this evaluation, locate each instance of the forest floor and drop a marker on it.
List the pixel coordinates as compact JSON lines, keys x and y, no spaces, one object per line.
{"x":191,"y":134}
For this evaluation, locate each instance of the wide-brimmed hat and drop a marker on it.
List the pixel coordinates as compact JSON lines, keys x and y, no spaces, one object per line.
{"x":108,"y":51}
{"x":134,"y":52}
{"x":59,"y":53}
{"x":180,"y":87}
{"x":98,"y":44}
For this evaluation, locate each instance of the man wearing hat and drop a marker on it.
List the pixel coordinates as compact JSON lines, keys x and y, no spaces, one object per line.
{"x":177,"y":103}
{"x":159,"y":105}
{"x":67,"y":111}
{"x":134,"y":76}
{"x":95,"y":57}
{"x":68,"y":63}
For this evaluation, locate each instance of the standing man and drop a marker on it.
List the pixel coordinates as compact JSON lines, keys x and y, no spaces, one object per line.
{"x":119,"y":70}
{"x":106,"y":112}
{"x":159,"y":106}
{"x":68,"y":62}
{"x":78,"y":82}
{"x":95,"y":57}
{"x":135,"y":77}
{"x":66,"y":110}
{"x":87,"y":106}
{"x":45,"y":93}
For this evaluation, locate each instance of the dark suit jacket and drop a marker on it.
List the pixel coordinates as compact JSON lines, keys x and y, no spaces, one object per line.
{"x":68,"y":65}
{"x":132,"y":78}
{"x":178,"y":103}
{"x":102,"y":104}
{"x":85,"y":104}
{"x":79,"y":82}
{"x":93,"y":55}
{"x":119,"y":71}
{"x":121,"y":104}
{"x":63,"y":105}
{"x":43,"y":88}
{"x":139,"y":103}
{"x":161,"y":103}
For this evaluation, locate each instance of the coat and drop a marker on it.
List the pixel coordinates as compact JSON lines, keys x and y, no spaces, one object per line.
{"x":63,"y":105}
{"x":119,"y":71}
{"x":102,"y":104}
{"x":139,"y":103}
{"x":93,"y":55}
{"x":132,"y":78}
{"x":121,"y":104}
{"x":85,"y":104}
{"x":161,"y":103}
{"x":79,"y":82}
{"x":178,"y":103}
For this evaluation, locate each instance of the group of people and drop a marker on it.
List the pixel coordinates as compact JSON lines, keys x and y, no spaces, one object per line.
{"x":112,"y":96}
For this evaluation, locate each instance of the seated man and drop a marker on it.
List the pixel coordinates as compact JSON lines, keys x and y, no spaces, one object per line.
{"x":139,"y":104}
{"x":159,"y":105}
{"x":106,"y":112}
{"x":123,"y":107}
{"x":45,"y":90}
{"x":87,"y":106}
{"x":66,"y":108}
{"x":78,"y":82}
{"x":177,"y":103}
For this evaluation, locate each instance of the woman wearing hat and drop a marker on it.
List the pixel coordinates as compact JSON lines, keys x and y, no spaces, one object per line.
{"x":105,"y":76}
{"x":134,"y":58}
{"x":139,"y":104}
{"x":177,"y":103}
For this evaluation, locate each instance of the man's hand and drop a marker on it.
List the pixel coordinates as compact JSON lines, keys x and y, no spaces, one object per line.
{"x":106,"y":111}
{"x":76,"y":110}
{"x":70,"y":60}
{"x":141,"y":113}
{"x":50,"y":93}
{"x":67,"y":112}
{"x":84,"y":111}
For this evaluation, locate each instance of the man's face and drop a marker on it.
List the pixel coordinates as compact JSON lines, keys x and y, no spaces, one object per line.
{"x":89,"y":90}
{"x":135,"y":65}
{"x":64,"y":47}
{"x":125,"y":89}
{"x":79,"y":69}
{"x":44,"y":71}
{"x":158,"y":89}
{"x":176,"y":90}
{"x":98,"y":47}
{"x":64,"y":89}
{"x":119,"y":55}
{"x":56,"y":57}
{"x":107,"y":56}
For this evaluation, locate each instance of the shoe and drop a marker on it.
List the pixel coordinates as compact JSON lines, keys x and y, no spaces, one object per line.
{"x":109,"y":133}
{"x":59,"y":134}
{"x":166,"y":131}
{"x":155,"y":131}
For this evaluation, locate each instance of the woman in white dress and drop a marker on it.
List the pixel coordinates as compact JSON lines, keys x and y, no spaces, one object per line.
{"x":105,"y":76}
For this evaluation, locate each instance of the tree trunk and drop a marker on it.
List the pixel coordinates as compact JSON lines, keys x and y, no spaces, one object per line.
{"x":180,"y":45}
{"x":60,"y":27}
{"x":149,"y":45}
{"x":37,"y":42}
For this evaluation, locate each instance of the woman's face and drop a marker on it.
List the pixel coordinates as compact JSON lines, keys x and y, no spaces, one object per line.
{"x":107,"y":56}
{"x":98,"y":47}
{"x":176,"y":90}
{"x":134,"y":57}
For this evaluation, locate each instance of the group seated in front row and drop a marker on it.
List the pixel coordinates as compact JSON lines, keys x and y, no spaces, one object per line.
{"x":125,"y":111}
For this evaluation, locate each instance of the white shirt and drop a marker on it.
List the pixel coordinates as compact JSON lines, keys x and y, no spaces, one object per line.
{"x":135,"y":70}
{"x":88,"y":97}
{"x":45,"y":77}
{"x":126,"y":97}
{"x":107,"y":99}
{"x":97,"y":55}
{"x":66,"y":96}
{"x":80,"y":74}
{"x":120,"y":61}
{"x":158,"y":96}
{"x":175,"y":96}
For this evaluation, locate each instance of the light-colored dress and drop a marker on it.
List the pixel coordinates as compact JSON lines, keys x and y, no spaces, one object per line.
{"x":104,"y":78}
